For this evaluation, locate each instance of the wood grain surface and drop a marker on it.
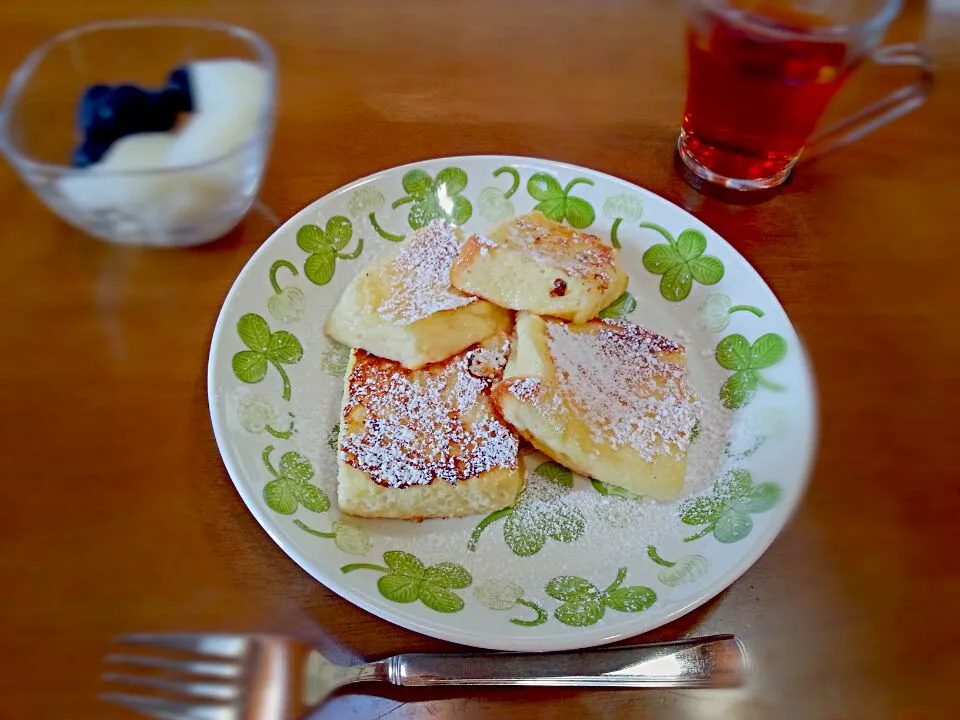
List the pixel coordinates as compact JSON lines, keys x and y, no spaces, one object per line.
{"x":117,"y":514}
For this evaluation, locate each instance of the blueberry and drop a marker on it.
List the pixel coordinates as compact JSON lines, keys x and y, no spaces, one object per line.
{"x":88,"y":153}
{"x":122,"y":111}
{"x":178,"y":83}
{"x":108,"y":113}
{"x":160,"y":113}
{"x":89,"y":102}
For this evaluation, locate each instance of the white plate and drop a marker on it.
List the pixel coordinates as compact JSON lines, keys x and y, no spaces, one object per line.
{"x":595,"y":579}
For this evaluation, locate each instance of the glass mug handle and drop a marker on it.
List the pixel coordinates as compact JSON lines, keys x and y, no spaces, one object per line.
{"x":896,"y":104}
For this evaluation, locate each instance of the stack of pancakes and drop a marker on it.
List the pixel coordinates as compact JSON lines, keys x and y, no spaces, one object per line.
{"x":463,"y":346}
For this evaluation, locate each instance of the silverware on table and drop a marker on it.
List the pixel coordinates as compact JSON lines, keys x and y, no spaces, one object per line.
{"x":270,"y":677}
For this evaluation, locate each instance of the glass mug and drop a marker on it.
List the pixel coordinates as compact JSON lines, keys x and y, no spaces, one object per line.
{"x":762,"y":72}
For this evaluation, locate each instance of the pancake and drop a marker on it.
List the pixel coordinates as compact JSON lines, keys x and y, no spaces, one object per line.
{"x":534,"y":264}
{"x":404,"y":309}
{"x":608,"y":399}
{"x":426,"y":443}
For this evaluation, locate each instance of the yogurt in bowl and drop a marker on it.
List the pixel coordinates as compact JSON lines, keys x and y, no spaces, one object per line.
{"x":129,"y":183}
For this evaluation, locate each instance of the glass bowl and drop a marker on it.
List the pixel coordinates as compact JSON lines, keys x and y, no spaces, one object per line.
{"x":178,"y":205}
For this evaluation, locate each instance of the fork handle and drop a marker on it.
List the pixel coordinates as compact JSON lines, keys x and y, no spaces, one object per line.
{"x":715,"y":661}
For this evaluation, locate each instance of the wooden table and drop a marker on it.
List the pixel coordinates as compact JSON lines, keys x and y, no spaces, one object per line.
{"x":117,"y":514}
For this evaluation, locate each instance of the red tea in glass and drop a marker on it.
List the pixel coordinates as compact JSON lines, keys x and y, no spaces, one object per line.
{"x":761,"y":74}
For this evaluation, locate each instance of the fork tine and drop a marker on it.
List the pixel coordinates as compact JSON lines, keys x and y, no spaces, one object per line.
{"x":205,"y":690}
{"x":232,"y":646}
{"x":170,"y":709}
{"x":187,"y":667}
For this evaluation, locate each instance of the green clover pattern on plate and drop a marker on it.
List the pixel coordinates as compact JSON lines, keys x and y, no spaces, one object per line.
{"x":529,"y":525}
{"x":324,"y":246}
{"x":435,"y":199}
{"x":333,"y":436}
{"x":696,"y":430}
{"x":744,"y":451}
{"x":349,"y":538}
{"x":501,"y":595}
{"x":265,"y":348}
{"x":493,"y":204}
{"x":586,"y":604}
{"x":556,"y":203}
{"x":287,"y":304}
{"x":714,"y":312}
{"x":736,"y":353}
{"x":406,"y":580}
{"x":258,"y":415}
{"x":555,"y":472}
{"x":365,"y":200}
{"x":685,"y":570}
{"x":364,"y":203}
{"x":335,"y":359}
{"x":291,"y":486}
{"x":681,"y":261}
{"x":613,"y":490}
{"x":769,"y":424}
{"x":620,"y":308}
{"x":624,"y":206}
{"x":726,"y":512}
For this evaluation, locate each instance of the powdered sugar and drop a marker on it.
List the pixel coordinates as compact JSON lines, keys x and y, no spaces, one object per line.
{"x":414,"y":427}
{"x":579,"y":254}
{"x":562,"y":514}
{"x":616,"y":530}
{"x":627,"y":392}
{"x":423,"y":269}
{"x":526,"y":389}
{"x":619,"y":527}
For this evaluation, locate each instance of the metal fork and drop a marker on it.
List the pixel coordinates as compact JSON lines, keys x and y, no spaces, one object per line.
{"x":271,"y":677}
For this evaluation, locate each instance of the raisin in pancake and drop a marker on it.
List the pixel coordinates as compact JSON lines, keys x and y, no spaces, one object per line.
{"x":533,"y":263}
{"x":608,"y":399}
{"x":404,"y":308}
{"x":426,"y":443}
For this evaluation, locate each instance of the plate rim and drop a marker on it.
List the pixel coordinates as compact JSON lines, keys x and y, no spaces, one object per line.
{"x":585,"y":637}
